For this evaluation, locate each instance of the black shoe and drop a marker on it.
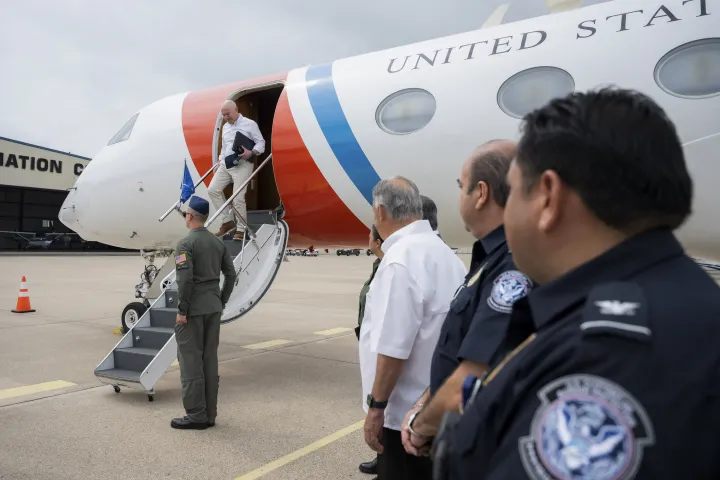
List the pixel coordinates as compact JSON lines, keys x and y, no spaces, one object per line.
{"x":185,"y":424}
{"x":211,"y":424}
{"x":369,"y":467}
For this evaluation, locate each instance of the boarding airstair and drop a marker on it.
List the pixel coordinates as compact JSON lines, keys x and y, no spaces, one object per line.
{"x":148,"y":348}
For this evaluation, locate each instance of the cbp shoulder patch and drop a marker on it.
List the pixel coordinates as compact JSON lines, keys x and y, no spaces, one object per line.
{"x":508,"y":288}
{"x":586,"y":427}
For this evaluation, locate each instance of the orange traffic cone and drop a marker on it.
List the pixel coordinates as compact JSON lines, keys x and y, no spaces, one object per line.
{"x":23,"y":301}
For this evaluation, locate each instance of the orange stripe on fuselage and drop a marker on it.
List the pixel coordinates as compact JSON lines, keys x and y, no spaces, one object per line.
{"x":313,"y":211}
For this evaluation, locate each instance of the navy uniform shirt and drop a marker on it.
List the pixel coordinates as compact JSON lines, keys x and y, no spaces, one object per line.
{"x":618,"y":379}
{"x":478,"y":317}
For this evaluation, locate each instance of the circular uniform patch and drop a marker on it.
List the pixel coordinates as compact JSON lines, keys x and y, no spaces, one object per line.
{"x":508,"y":288}
{"x":586,"y":428}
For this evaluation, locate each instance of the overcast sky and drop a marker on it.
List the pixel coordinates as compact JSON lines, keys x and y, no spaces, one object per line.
{"x":74,"y":71}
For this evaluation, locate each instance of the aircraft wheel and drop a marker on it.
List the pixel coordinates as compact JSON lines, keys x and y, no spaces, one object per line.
{"x":116,"y":388}
{"x":151,"y":398}
{"x":357,"y":253}
{"x":131,"y":314}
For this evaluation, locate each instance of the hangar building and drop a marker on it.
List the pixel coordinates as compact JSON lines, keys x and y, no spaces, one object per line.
{"x":34,"y":182}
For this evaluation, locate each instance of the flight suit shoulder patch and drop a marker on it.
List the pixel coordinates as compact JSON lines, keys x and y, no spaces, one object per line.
{"x":617,"y":308}
{"x":508,"y":287}
{"x":181,"y":261}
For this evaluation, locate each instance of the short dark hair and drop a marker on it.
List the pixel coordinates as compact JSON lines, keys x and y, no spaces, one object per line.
{"x":491,"y":167}
{"x":429,"y":210}
{"x":618,"y":150}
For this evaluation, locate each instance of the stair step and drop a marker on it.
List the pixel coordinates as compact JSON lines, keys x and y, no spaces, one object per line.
{"x":134,"y":358}
{"x":256,"y":218}
{"x":119,"y":374}
{"x":233,"y":246}
{"x":151,"y":337}
{"x":163,"y":317}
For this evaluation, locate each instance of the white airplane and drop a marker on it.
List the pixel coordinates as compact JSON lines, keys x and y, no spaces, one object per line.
{"x":416,"y":110}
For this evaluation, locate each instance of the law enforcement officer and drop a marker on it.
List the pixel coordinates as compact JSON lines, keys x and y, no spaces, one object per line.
{"x":614,"y":365}
{"x":201,"y":256}
{"x":475,"y":325}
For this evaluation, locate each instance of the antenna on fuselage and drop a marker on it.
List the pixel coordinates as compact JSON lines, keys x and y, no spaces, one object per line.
{"x":496,"y":17}
{"x":556,"y":6}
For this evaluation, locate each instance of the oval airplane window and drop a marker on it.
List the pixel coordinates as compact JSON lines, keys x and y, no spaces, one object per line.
{"x":405,"y":111}
{"x":532,"y":88}
{"x":691,"y":70}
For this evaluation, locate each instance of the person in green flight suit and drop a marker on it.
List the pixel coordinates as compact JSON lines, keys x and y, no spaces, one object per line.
{"x":200,"y":257}
{"x":375,"y":244}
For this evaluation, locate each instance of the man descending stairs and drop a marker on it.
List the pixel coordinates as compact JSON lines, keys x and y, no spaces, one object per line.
{"x":242,"y":143}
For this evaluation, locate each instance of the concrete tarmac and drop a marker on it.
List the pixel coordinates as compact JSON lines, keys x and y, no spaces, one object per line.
{"x":290,"y":403}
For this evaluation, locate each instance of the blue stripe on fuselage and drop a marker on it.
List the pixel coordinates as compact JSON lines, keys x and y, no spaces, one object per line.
{"x":334,"y":125}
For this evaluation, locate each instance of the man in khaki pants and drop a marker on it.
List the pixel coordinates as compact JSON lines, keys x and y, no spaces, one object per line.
{"x":238,"y":175}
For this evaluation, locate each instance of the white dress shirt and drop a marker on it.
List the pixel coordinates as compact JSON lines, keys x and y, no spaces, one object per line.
{"x":248,"y":128}
{"x":406,"y":306}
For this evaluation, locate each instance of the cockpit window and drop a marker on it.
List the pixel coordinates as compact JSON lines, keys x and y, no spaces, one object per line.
{"x":125,"y":131}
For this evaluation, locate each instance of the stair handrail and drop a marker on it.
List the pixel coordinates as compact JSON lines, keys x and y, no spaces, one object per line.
{"x":176,"y":205}
{"x":237,"y":191}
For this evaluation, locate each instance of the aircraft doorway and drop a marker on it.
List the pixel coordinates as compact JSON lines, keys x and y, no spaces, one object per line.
{"x":259,"y":105}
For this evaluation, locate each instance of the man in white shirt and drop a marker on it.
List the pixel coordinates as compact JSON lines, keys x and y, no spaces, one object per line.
{"x":406,"y":305}
{"x":239,"y":174}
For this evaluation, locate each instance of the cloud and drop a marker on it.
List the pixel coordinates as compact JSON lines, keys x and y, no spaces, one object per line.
{"x":75,"y":71}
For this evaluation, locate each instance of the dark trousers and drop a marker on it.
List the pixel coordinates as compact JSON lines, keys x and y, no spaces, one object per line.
{"x":396,"y":464}
{"x":197,"y":343}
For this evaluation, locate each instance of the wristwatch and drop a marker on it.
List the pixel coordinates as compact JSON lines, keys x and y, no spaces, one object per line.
{"x":372,"y":403}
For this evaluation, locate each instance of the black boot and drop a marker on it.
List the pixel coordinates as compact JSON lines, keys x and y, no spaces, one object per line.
{"x":185,"y":424}
{"x":369,"y":467}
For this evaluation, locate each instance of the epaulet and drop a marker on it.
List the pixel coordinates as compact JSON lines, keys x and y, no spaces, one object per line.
{"x":617,"y":308}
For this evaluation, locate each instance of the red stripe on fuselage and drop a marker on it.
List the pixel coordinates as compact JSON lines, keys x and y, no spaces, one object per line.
{"x":200,"y":112}
{"x":314,"y":212}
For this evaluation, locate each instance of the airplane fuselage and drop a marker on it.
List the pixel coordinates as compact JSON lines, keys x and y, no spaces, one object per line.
{"x":416,"y":110}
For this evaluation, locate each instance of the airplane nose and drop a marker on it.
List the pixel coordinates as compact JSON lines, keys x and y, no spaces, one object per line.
{"x":68,"y":214}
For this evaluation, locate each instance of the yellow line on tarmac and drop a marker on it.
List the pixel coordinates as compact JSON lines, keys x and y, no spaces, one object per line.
{"x":334,"y":331}
{"x":271,"y":343}
{"x":28,"y":389}
{"x":291,"y":457}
